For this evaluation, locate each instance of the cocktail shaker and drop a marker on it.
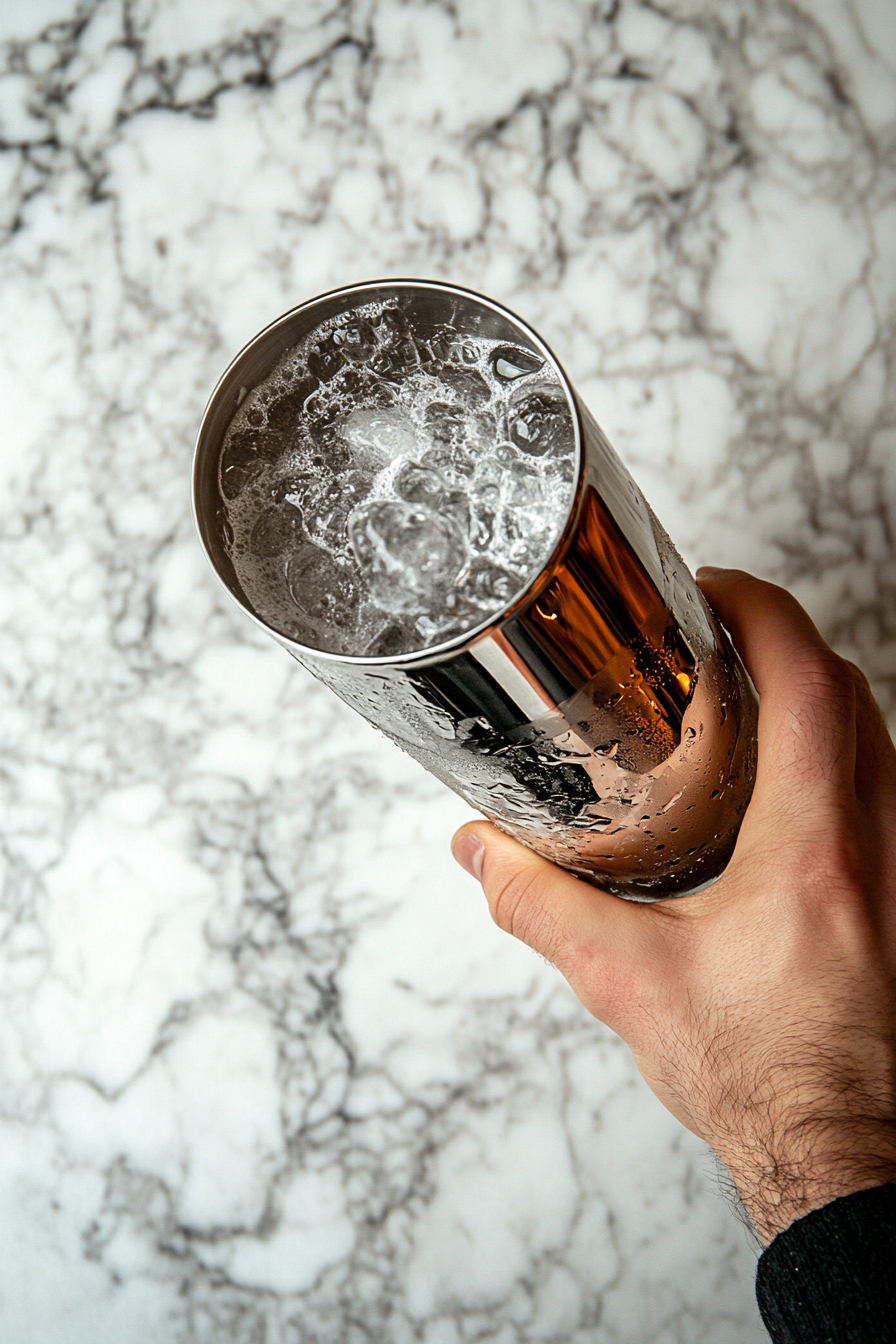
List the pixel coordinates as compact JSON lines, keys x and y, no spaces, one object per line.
{"x":602,"y":717}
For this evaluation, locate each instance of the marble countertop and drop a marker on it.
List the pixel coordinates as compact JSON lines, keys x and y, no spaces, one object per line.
{"x":269,"y":1075}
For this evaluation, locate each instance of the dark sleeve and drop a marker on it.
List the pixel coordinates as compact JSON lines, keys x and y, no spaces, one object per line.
{"x":830,"y":1278}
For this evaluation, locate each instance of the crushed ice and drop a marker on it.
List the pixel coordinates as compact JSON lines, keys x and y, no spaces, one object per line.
{"x":388,"y":492}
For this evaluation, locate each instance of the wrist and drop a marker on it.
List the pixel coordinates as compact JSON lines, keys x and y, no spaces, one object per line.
{"x":782,"y":1178}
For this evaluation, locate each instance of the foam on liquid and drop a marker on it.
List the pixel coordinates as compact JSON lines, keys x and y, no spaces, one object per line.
{"x":384,"y":494}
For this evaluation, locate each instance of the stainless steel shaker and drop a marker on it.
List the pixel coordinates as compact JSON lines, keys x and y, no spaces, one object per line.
{"x":602,"y":716}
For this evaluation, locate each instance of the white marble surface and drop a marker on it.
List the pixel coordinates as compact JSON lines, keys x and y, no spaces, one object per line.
{"x":269,"y":1076}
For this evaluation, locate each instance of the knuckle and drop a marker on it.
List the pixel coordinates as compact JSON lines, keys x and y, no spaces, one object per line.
{"x":516,"y":903}
{"x":821,"y":706}
{"x":821,"y":860}
{"x":822,"y":675}
{"x":859,"y":677}
{"x":510,"y":897}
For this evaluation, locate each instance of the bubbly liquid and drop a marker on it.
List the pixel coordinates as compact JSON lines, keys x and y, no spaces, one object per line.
{"x":386,"y":493}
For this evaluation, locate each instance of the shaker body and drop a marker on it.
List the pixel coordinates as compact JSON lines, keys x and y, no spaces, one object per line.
{"x":603,"y":718}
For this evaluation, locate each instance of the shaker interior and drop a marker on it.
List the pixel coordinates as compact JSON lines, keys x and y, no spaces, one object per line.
{"x":427,"y":305}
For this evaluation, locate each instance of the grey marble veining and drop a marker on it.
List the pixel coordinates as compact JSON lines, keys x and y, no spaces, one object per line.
{"x":269,"y":1076}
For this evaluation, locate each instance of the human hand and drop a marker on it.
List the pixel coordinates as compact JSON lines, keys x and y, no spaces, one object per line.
{"x":762,"y":1011}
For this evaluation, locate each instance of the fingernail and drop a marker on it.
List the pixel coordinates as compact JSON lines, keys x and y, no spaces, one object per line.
{"x":469,"y":851}
{"x":709,"y":571}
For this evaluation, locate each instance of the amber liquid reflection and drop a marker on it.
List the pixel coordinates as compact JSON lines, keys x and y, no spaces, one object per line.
{"x":602,"y":617}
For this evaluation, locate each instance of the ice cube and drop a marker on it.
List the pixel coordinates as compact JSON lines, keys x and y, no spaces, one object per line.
{"x":379,"y":436}
{"x":286,"y":411}
{"x":523,"y":536}
{"x":485,"y":490}
{"x":523,"y":485}
{"x":454,"y":434}
{"x":434,"y":353}
{"x":355,"y":338}
{"x":245,"y":456}
{"x":322,"y":411}
{"x":424,"y":485}
{"x":468,"y":384}
{"x":489,"y":586}
{"x":482,"y":433}
{"x":409,"y":554}
{"x":327,"y":507}
{"x":456,"y":503}
{"x":294,"y":486}
{"x":353,"y":385}
{"x":325,"y":358}
{"x":485,"y":502}
{"x":559,"y":469}
{"x":445,"y":423}
{"x":504,"y":454}
{"x":450,"y":461}
{"x":275,"y":530}
{"x":418,"y":484}
{"x":541,"y":423}
{"x":437,"y":632}
{"x":326,"y":594}
{"x":455,"y":427}
{"x":381,"y":363}
{"x":396,"y":638}
{"x":509,"y":363}
{"x":397,"y":352}
{"x":453,"y":464}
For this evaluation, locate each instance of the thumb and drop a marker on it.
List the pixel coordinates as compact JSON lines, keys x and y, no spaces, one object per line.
{"x":603,"y":945}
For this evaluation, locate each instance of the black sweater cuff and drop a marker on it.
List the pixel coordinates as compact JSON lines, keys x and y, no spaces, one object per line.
{"x":830,"y":1278}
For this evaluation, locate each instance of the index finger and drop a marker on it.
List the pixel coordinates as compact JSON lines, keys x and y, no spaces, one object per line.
{"x":807,"y":715}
